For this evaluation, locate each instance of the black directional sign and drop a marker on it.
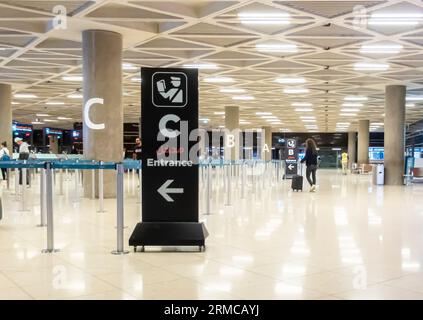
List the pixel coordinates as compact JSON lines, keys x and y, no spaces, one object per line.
{"x":291,"y":158}
{"x":169,"y":134}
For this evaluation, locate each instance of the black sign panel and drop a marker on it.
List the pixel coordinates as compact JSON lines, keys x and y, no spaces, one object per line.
{"x":291,"y":168}
{"x":170,"y":138}
{"x":291,"y":150}
{"x":169,"y":113}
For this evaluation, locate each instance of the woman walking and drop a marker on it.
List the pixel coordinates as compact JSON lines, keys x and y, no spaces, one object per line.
{"x":311,"y":162}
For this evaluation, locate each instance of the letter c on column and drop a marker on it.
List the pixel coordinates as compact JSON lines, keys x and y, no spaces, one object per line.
{"x":87,"y":120}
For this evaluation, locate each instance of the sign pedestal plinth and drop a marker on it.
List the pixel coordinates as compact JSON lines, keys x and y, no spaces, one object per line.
{"x":169,"y":234}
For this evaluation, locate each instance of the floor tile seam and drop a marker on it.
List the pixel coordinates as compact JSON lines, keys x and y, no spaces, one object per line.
{"x":17,"y":285}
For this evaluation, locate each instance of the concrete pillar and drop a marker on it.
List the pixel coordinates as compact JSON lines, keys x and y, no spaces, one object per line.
{"x":6,"y":115}
{"x":352,"y":148}
{"x":102,"y":69}
{"x":394,"y":134}
{"x":266,"y":139}
{"x":363,"y":141}
{"x":232,"y":128}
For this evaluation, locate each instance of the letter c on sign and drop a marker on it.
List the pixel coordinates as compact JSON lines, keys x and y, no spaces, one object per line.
{"x":87,"y":120}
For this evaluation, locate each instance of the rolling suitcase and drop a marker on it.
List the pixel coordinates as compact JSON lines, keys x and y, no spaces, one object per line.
{"x":297,"y":180}
{"x":297,"y":183}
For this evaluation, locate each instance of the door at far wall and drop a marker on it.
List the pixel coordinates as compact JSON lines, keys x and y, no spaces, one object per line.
{"x":54,"y":144}
{"x":328,"y":158}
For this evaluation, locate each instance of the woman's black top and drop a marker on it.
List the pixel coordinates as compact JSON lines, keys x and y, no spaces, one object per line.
{"x":310,"y":158}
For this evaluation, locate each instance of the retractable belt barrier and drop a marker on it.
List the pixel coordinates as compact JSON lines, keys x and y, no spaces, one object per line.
{"x":46,"y":187}
{"x":231,"y":171}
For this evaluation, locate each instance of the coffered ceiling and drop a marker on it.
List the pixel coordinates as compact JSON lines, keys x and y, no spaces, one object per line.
{"x":343,"y":53}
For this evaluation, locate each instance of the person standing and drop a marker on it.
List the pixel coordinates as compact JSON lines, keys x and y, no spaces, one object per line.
{"x":4,"y":156}
{"x":311,"y":162}
{"x":23,"y":155}
{"x":136,"y":155}
{"x":344,"y":162}
{"x":137,"y":150}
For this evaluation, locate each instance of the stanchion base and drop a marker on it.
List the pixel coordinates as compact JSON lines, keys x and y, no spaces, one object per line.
{"x":41,"y":225}
{"x":116,"y":252}
{"x":168,"y":234}
{"x":50,"y":250}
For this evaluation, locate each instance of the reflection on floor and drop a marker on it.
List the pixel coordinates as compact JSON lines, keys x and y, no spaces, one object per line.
{"x":349,"y":240}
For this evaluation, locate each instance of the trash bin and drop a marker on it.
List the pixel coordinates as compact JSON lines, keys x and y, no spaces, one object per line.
{"x":379,"y":174}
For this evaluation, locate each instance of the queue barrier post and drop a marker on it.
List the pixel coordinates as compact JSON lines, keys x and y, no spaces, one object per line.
{"x":119,"y":210}
{"x":49,"y":208}
{"x":101,"y":189}
{"x":42,"y":199}
{"x":23,"y":188}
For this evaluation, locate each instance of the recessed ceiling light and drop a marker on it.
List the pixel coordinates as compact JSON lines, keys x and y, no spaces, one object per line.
{"x":414,"y":98}
{"x":232,"y":90}
{"x":25,"y":96}
{"x":268,"y":117}
{"x":263,"y":113}
{"x":377,"y":124}
{"x":277,"y":48}
{"x":410,"y":105}
{"x":73,"y":78}
{"x":352,"y":104}
{"x":302,"y":104}
{"x":350,"y":110}
{"x":219,"y":113}
{"x":307,"y":117}
{"x":290,"y":80}
{"x":37,"y":122}
{"x":15,"y":103}
{"x":308,"y":120}
{"x":75,"y":96}
{"x":348,"y":114}
{"x":367,"y":66}
{"x":395,"y":19}
{"x":295,"y":90}
{"x":129,"y":66}
{"x":381,"y":49}
{"x":304,"y":109}
{"x":264,"y":18}
{"x":49,"y":120}
{"x":55,"y":103}
{"x":202,"y":66}
{"x":63,"y":118}
{"x":243,"y":98}
{"x":136,"y":79}
{"x":219,"y":80}
{"x":42,"y":115}
{"x":355,"y":98}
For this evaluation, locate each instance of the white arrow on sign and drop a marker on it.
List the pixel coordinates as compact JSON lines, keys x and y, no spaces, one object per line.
{"x":164,"y":190}
{"x":290,"y":167}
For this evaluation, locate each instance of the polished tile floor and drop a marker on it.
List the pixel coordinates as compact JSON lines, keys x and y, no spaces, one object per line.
{"x":349,"y":240}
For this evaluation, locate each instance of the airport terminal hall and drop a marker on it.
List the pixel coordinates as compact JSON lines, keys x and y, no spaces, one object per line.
{"x":217,"y":150}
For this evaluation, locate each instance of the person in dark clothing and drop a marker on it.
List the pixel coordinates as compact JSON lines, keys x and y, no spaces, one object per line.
{"x":137,"y":150}
{"x":311,"y":162}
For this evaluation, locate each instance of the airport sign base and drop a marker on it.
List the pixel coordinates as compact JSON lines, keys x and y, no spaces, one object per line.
{"x":169,"y":234}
